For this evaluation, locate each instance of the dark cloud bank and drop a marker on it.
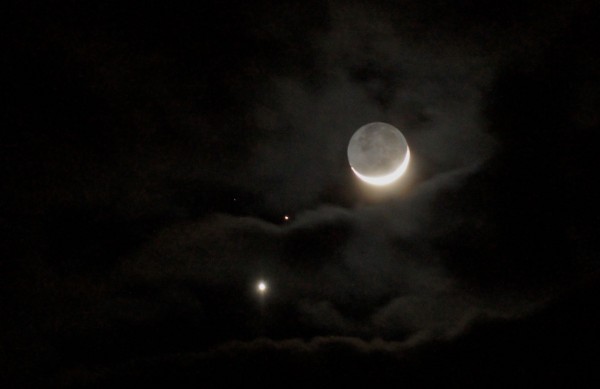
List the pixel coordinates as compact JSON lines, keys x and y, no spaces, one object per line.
{"x":150,"y":163}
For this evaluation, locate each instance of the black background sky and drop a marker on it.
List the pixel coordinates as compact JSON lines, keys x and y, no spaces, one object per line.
{"x":150,"y":152}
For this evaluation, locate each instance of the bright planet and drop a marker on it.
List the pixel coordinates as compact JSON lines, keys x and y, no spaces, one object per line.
{"x":378,"y":153}
{"x":261,"y":287}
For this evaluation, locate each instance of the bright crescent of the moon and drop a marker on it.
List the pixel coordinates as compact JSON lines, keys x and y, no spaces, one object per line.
{"x":387,"y":178}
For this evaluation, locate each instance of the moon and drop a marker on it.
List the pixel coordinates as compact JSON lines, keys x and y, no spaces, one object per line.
{"x":378,"y":153}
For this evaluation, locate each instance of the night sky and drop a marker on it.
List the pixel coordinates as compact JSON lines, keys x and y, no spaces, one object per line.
{"x":158,"y":161}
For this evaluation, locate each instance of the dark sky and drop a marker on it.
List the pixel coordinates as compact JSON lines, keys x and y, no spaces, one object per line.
{"x":149,"y":154}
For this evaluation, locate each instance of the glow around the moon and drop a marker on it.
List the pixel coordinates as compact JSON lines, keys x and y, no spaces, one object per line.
{"x":387,"y":178}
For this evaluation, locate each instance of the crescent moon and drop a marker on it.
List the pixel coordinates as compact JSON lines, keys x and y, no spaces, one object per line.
{"x":387,"y":178}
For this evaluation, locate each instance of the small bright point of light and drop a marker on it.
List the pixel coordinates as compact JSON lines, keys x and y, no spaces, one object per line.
{"x":286,"y":217}
{"x":262,"y":287}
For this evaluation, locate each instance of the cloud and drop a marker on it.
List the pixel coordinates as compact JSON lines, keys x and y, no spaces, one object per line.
{"x":367,"y":72}
{"x":368,"y":271}
{"x":264,"y":362}
{"x":502,"y":350}
{"x":159,"y":267}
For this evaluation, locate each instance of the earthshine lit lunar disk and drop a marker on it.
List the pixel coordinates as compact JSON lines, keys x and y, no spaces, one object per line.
{"x":378,"y":153}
